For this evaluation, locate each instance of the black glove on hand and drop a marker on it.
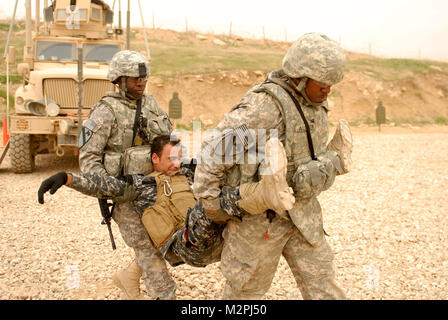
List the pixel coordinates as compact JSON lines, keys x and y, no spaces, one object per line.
{"x":53,"y":184}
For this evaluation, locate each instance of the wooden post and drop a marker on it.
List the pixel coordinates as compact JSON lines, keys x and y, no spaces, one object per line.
{"x":119,"y":14}
{"x":80,"y":75}
{"x":7,"y":93}
{"x":37,"y":17}
{"x":144,"y":32}
{"x":45,"y":22}
{"x":128,"y":27}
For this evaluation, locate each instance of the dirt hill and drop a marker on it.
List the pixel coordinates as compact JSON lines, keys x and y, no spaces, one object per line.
{"x":208,"y":97}
{"x":212,"y":72}
{"x":412,"y":91}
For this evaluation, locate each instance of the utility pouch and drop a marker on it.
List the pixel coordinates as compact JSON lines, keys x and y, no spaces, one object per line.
{"x":309,"y":179}
{"x":182,"y":198}
{"x":160,"y":125}
{"x":128,"y":137}
{"x":315,"y":176}
{"x":159,"y":223}
{"x":137,"y":160}
{"x":168,"y":214}
{"x":333,"y":167}
{"x":112,"y":163}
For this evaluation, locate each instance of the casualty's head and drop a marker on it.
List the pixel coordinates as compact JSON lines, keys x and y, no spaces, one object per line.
{"x":315,"y":63}
{"x":166,"y":154}
{"x":129,"y":70}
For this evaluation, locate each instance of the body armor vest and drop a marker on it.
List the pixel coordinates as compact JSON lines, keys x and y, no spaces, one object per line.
{"x":295,"y":138}
{"x":306,"y":213}
{"x":174,"y":198}
{"x":156,"y":123}
{"x":124,"y":113}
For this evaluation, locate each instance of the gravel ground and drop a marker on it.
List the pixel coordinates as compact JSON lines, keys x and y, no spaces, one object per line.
{"x":386,"y":220}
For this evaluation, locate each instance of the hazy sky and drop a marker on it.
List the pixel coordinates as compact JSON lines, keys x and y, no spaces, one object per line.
{"x":389,"y":28}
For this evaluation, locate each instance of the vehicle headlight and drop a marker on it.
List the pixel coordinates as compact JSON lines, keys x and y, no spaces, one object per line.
{"x":52,"y":109}
{"x":19,"y":100}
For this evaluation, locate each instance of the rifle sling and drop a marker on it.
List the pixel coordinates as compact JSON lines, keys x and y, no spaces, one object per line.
{"x":136,"y":119}
{"x":307,"y":126}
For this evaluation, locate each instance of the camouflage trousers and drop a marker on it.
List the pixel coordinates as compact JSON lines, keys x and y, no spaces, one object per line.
{"x":249,"y":261}
{"x":155,"y":275}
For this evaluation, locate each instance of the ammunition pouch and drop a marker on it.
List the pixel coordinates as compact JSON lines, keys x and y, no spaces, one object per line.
{"x":315,"y":176}
{"x":137,"y":160}
{"x":160,"y":125}
{"x":174,"y":197}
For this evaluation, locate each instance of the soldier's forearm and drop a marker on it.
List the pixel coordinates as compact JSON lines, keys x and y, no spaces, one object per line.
{"x":206,"y":185}
{"x":99,"y":186}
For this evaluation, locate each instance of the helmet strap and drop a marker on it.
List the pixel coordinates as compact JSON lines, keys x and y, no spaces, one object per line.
{"x":302,"y":84}
{"x":301,"y":88}
{"x":122,"y":87}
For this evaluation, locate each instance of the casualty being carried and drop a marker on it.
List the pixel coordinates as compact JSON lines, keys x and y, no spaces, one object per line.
{"x":176,"y":223}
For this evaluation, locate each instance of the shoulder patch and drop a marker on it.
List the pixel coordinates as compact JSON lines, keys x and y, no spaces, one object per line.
{"x":90,"y":124}
{"x":87,"y":131}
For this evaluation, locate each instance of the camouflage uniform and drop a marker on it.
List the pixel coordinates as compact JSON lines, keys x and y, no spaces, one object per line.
{"x":204,"y":243}
{"x":252,"y":248}
{"x":109,"y":131}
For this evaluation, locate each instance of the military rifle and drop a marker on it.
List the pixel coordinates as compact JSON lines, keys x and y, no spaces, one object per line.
{"x":107,"y":215}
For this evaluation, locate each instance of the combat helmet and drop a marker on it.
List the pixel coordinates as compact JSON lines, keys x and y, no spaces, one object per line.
{"x":128,"y":63}
{"x":315,"y":56}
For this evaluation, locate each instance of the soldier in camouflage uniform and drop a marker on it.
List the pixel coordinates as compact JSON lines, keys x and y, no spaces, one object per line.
{"x":107,"y":134}
{"x":292,"y":104}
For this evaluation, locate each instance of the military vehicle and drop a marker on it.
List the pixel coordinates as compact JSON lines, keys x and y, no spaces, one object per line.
{"x":67,"y":55}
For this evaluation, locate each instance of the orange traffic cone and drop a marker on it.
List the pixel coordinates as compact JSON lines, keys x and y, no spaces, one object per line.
{"x":5,"y":132}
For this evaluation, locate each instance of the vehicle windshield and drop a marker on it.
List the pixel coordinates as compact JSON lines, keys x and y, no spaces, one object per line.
{"x":56,"y":51}
{"x":66,"y":51}
{"x":99,"y":51}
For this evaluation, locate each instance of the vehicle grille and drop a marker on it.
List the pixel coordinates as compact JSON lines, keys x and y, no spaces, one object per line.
{"x":65,"y":91}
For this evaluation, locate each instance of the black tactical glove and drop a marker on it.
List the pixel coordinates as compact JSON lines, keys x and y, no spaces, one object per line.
{"x":53,"y":184}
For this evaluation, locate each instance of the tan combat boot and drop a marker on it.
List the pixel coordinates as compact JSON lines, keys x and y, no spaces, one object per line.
{"x":342,"y":143}
{"x":272,"y":191}
{"x":128,"y":280}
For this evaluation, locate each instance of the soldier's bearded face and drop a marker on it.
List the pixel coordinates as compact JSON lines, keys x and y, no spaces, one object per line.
{"x":317,"y":92}
{"x":169,"y":161}
{"x":136,"y":86}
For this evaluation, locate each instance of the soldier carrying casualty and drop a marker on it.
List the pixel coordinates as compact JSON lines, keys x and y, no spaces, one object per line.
{"x":176,"y":223}
{"x":292,"y":104}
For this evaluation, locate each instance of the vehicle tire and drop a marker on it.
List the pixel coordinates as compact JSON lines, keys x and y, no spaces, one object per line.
{"x":22,"y":157}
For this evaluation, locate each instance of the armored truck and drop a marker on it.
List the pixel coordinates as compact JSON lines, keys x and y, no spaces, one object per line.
{"x":56,"y":96}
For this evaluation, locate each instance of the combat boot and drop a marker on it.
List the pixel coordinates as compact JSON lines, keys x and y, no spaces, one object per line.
{"x":128,"y":280}
{"x":342,"y":143}
{"x":272,"y":191}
